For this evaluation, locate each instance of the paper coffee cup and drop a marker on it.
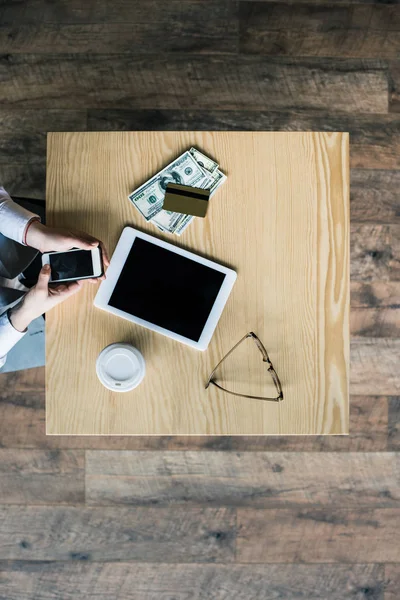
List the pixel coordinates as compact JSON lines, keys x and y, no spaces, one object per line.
{"x":120,"y":367}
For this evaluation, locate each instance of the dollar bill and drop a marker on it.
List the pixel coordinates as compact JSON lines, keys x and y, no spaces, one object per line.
{"x":218,"y":179}
{"x":167,"y":220}
{"x":149,"y":197}
{"x":192,"y":168}
{"x":204,"y":161}
{"x":183,"y":224}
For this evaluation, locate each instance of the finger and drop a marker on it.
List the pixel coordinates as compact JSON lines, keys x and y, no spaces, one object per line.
{"x":106,"y":259}
{"x":59,"y":288}
{"x":82,"y":235}
{"x":71,"y":288}
{"x":44,"y":276}
{"x":77,"y":282}
{"x":83,"y":244}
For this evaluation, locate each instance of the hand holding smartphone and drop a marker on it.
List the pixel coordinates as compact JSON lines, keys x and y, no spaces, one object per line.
{"x":75,"y":264}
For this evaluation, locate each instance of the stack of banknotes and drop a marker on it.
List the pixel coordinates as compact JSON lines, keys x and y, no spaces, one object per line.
{"x":191,"y":168}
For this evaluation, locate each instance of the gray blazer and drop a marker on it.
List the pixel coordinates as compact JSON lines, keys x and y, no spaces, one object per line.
{"x":15,"y":258}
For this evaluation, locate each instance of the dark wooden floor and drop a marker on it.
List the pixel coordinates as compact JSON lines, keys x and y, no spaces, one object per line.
{"x":203,"y":518}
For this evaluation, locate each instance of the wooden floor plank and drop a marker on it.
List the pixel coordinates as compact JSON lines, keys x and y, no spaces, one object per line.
{"x":375,"y":309}
{"x":262,"y":479}
{"x":194,"y":26}
{"x":23,"y":133}
{"x":394,"y":86}
{"x":42,"y":11}
{"x":124,"y":581}
{"x":229,"y":82}
{"x":310,"y":30}
{"x":392,"y":582}
{"x":374,"y":252}
{"x":24,"y":180}
{"x":376,"y":294}
{"x":185,"y":15}
{"x":375,"y":322}
{"x":113,"y":534}
{"x":394,"y":424}
{"x":328,"y":2}
{"x":42,"y":477}
{"x":374,"y":138}
{"x":22,"y":425}
{"x":374,"y":366}
{"x":320,"y":535}
{"x":374,"y":194}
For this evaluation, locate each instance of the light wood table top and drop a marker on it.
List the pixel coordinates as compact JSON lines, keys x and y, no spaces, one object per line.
{"x":281,"y":221}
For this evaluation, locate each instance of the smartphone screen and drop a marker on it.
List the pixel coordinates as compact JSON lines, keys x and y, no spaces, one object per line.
{"x":71,"y":265}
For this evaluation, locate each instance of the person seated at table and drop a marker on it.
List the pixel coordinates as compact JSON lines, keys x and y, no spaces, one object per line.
{"x":22,"y":236}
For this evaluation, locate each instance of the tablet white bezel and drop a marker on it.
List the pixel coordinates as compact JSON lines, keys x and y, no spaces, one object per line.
{"x":119,"y":257}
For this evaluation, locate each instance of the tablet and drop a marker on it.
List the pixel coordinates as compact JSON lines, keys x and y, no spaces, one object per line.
{"x":164,"y":288}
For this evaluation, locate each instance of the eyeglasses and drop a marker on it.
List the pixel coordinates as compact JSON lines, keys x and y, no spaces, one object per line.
{"x":266,"y":359}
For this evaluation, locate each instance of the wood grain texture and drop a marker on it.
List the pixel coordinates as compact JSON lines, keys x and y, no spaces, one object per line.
{"x":23,"y":133}
{"x":376,"y":294}
{"x":24,"y":180}
{"x":124,"y":581}
{"x":318,"y":535}
{"x":114,"y":534}
{"x":42,"y":477}
{"x":131,"y":27}
{"x":353,"y":31}
{"x":326,"y":2}
{"x":394,"y":86}
{"x":375,"y":322}
{"x":374,"y":366}
{"x":375,"y":252}
{"x":262,"y":479}
{"x":97,"y":167}
{"x":186,"y":16}
{"x":41,"y":11}
{"x":374,"y":138}
{"x":394,"y":424}
{"x":392,"y":581}
{"x":374,"y":195}
{"x":228,"y":82}
{"x":22,"y":425}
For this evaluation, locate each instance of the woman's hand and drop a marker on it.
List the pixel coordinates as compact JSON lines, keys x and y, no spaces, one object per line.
{"x":40,"y":299}
{"x":51,"y":239}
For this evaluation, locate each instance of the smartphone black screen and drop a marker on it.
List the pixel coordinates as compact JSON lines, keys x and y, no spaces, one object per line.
{"x":71,"y":265}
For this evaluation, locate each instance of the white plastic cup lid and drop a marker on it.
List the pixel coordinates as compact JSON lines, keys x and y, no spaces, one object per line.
{"x":120,"y":367}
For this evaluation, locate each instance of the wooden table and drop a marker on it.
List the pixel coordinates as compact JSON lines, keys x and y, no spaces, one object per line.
{"x":281,"y":220}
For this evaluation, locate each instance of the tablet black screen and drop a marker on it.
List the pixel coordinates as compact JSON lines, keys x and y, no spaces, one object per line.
{"x":166,"y":289}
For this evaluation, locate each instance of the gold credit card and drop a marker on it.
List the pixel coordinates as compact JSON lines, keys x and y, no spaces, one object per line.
{"x":186,"y":200}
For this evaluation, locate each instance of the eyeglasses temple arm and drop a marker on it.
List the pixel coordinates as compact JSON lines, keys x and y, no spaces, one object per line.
{"x":226,"y":356}
{"x":278,"y":399}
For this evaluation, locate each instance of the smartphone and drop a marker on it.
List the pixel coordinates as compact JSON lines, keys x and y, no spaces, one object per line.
{"x":74,"y":264}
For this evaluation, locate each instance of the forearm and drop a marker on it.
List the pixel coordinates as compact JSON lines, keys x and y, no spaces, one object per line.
{"x":20,"y":317}
{"x":13,"y":218}
{"x":36,"y":235}
{"x":9,"y":336}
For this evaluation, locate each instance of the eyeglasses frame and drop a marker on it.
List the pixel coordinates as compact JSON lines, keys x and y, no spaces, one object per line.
{"x":266,"y":359}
